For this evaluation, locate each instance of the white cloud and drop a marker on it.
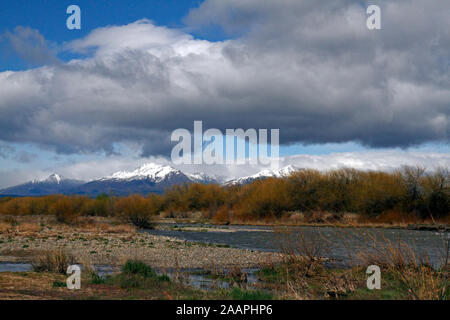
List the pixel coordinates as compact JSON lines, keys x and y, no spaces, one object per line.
{"x":371,"y":160}
{"x":309,"y":68}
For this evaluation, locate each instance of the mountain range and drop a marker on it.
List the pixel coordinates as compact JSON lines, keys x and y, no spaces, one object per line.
{"x":149,"y":178}
{"x":54,"y":184}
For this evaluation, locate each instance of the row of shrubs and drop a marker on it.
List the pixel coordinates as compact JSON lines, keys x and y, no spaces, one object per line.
{"x":371,"y":194}
{"x":410,"y":191}
{"x":135,"y":209}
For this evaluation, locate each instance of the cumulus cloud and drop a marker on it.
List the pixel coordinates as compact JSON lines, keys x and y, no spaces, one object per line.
{"x":310,"y":68}
{"x":371,"y":160}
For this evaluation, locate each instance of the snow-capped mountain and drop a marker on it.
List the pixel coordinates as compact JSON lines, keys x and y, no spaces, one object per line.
{"x":264,"y":174}
{"x":53,"y":184}
{"x":158,"y":173}
{"x":53,"y":178}
{"x":201,"y":177}
{"x":151,"y":171}
{"x":149,"y":178}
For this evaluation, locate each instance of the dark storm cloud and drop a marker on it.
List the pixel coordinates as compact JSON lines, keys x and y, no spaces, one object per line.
{"x":310,"y":68}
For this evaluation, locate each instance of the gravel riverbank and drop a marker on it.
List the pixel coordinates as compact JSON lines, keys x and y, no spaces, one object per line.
{"x":102,"y":244}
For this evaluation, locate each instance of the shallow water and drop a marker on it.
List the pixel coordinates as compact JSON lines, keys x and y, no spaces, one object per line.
{"x":196,"y":278}
{"x":338,"y":244}
{"x":15,"y":267}
{"x":101,"y":270}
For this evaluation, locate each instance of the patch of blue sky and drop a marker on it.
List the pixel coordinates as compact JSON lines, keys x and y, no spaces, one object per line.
{"x":49,"y":18}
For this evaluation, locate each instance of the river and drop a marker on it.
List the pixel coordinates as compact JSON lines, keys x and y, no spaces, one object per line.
{"x":338,"y":244}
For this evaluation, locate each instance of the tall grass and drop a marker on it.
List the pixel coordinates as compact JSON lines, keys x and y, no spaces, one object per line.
{"x":413,"y":272}
{"x":302,"y":272}
{"x":53,"y":261}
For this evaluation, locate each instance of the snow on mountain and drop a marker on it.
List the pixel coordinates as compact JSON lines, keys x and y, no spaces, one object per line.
{"x":151,"y":171}
{"x":157,"y":173}
{"x":53,"y":178}
{"x":53,"y":184}
{"x":205,"y":178}
{"x":149,"y":178}
{"x":264,"y":174}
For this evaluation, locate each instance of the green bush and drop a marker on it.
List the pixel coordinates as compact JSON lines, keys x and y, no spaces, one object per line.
{"x":59,"y":284}
{"x":96,"y":279}
{"x":138,"y":268}
{"x":241,"y":294}
{"x":136,"y":274}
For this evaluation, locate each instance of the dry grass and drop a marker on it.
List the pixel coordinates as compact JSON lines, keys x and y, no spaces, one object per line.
{"x":339,"y":285}
{"x":33,"y":225}
{"x":405,"y":274}
{"x":297,"y":244}
{"x":302,"y":274}
{"x":105,"y":227}
{"x":123,"y":228}
{"x":386,"y":253}
{"x":53,"y":261}
{"x":25,"y":229}
{"x":28,"y":228}
{"x":423,"y":283}
{"x":4,"y":227}
{"x":413,"y":272}
{"x":302,"y":263}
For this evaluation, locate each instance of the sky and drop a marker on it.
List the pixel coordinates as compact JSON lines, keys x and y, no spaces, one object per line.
{"x":86,"y":103}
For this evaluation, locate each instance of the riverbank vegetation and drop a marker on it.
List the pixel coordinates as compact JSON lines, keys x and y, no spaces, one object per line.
{"x":303,"y":267}
{"x":135,"y":281}
{"x":344,"y":196}
{"x":295,"y":277}
{"x":405,"y":274}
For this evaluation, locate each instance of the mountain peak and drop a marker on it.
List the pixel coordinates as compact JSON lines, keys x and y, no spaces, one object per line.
{"x":53,"y":178}
{"x":53,"y":184}
{"x":283,"y":172}
{"x":266,"y":173}
{"x":148,"y":178}
{"x":204,"y":177}
{"x":149,"y":170}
